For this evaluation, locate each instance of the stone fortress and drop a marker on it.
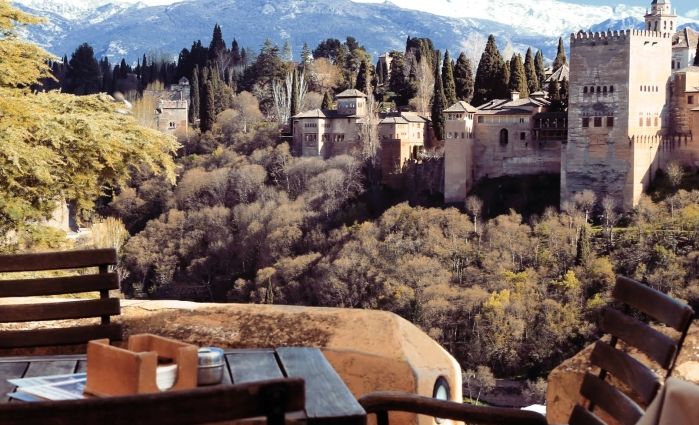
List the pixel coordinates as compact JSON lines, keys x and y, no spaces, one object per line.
{"x":633,"y":108}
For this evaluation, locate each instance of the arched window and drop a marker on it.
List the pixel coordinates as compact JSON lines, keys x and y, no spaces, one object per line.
{"x":611,"y":89}
{"x":599,"y":90}
{"x":585,"y":90}
{"x":604,"y":89}
{"x":648,"y":26}
{"x":504,"y":137}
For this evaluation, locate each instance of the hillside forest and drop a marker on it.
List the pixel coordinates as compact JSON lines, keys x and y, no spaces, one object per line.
{"x":226,"y":213}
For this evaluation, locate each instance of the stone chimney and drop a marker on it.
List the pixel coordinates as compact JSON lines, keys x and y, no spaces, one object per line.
{"x":515,"y":95}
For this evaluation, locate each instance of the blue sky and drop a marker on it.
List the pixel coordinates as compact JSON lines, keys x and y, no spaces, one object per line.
{"x":682,"y":6}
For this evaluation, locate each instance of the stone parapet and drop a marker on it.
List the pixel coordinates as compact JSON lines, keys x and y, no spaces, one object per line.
{"x":371,"y":350}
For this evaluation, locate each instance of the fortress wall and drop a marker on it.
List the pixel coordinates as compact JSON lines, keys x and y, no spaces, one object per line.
{"x":521,"y":154}
{"x":598,"y":158}
{"x":458,"y":161}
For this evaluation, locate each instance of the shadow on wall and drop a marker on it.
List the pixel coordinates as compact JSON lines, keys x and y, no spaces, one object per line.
{"x":528,"y":195}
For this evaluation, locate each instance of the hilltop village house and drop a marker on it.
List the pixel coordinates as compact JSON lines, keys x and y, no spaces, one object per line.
{"x":633,"y":108}
{"x":325,"y":133}
{"x":171,"y":113}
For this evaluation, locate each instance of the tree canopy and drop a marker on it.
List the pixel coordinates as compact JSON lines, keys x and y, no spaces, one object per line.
{"x":58,"y":146}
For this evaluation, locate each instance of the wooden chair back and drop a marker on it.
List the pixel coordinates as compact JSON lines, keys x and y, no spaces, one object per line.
{"x":271,"y":399}
{"x":627,"y":407}
{"x":101,"y":308}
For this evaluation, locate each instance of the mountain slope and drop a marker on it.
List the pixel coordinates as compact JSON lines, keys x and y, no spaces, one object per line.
{"x":119,"y":28}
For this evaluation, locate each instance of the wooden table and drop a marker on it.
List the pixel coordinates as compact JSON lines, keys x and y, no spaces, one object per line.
{"x":328,"y":400}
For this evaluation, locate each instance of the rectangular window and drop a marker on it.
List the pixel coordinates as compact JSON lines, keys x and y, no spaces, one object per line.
{"x":481,"y":120}
{"x":610,"y":121}
{"x":598,"y":121}
{"x":586,"y":122}
{"x":522,"y":136}
{"x":640,"y":122}
{"x":690,"y":100}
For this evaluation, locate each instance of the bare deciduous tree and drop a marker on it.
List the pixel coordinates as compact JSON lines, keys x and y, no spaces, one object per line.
{"x":424,"y":77}
{"x":609,"y":217}
{"x":282,"y":95}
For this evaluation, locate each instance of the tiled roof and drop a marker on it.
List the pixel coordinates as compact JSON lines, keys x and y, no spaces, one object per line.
{"x":324,"y":113}
{"x":414,"y":117}
{"x":350,"y":93}
{"x":559,"y":74}
{"x":461,"y":106}
{"x":394,"y":120}
{"x":506,"y":106}
{"x":687,"y":38}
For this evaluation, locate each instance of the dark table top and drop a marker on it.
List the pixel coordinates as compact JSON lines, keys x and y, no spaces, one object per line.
{"x":328,"y":400}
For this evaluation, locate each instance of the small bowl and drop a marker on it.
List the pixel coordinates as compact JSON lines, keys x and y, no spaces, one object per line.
{"x":211,"y":365}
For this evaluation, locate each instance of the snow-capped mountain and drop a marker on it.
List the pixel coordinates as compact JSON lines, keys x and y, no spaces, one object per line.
{"x":130,"y":28}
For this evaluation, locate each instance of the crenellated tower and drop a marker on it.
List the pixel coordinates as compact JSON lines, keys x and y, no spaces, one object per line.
{"x":661,"y":18}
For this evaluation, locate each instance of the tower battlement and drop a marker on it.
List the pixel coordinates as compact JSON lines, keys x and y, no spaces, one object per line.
{"x":589,"y":38}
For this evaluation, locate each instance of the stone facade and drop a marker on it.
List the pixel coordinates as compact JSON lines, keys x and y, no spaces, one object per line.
{"x":684,"y":48}
{"x":402,"y":137}
{"x":627,"y":112}
{"x":326,"y":133}
{"x":172,"y":108}
{"x":500,"y":138}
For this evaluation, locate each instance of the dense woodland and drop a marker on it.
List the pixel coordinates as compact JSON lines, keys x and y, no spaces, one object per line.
{"x":229,"y":214}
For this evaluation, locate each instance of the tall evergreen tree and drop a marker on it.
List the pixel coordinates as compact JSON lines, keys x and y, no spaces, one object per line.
{"x":540,"y":68}
{"x":363,"y":78}
{"x":306,"y":55}
{"x":554,"y":94}
{"x":217,"y":46}
{"x":327,"y":101}
{"x":489,"y":74}
{"x":83,"y":74}
{"x":463,"y":78}
{"x":448,"y":80}
{"x":696,"y":57}
{"x":294,"y":104}
{"x":563,"y":93}
{"x":287,"y":54}
{"x":208,"y":107}
{"x":194,"y":95}
{"x":530,"y":72}
{"x":398,"y":82}
{"x":438,"y":103}
{"x":583,"y":251}
{"x":518,"y":78}
{"x":561,"y":58}
{"x":235,"y":53}
{"x":502,"y":87}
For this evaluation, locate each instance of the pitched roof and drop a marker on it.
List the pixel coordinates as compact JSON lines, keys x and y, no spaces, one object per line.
{"x":314,"y":113}
{"x":350,"y":93}
{"x":512,"y":107}
{"x":559,"y":74}
{"x":461,"y":106}
{"x":394,"y":120}
{"x":687,"y":38}
{"x":414,"y":117}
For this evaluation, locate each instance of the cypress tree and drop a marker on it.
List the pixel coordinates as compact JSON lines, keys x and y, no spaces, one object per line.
{"x":696,"y":57}
{"x":488,"y":74}
{"x":208,"y":107}
{"x":518,"y":78}
{"x":530,"y":72}
{"x":438,"y":104}
{"x":306,"y":55}
{"x":217,"y":46}
{"x":554,"y":94}
{"x":540,"y":68}
{"x":502,"y":86}
{"x":563,"y":93}
{"x":560,"y":56}
{"x":463,"y":78}
{"x":235,"y":52}
{"x":583,"y":252}
{"x":194,"y":95}
{"x":363,"y":78}
{"x":294,"y":108}
{"x":448,"y":80}
{"x":398,"y":83}
{"x":327,"y":101}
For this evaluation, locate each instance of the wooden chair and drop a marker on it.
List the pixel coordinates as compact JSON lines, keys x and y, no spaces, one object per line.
{"x":271,"y":399}
{"x":643,"y":382}
{"x":627,"y":405}
{"x":103,"y":308}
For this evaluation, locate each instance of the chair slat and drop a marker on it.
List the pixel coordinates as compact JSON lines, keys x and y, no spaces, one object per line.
{"x":661,"y":307}
{"x":611,"y":400}
{"x":59,"y":336}
{"x":57,"y":260}
{"x":656,"y":345}
{"x":58,"y":285}
{"x":59,"y":310}
{"x":627,"y":369}
{"x":582,"y":416}
{"x":202,"y":405}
